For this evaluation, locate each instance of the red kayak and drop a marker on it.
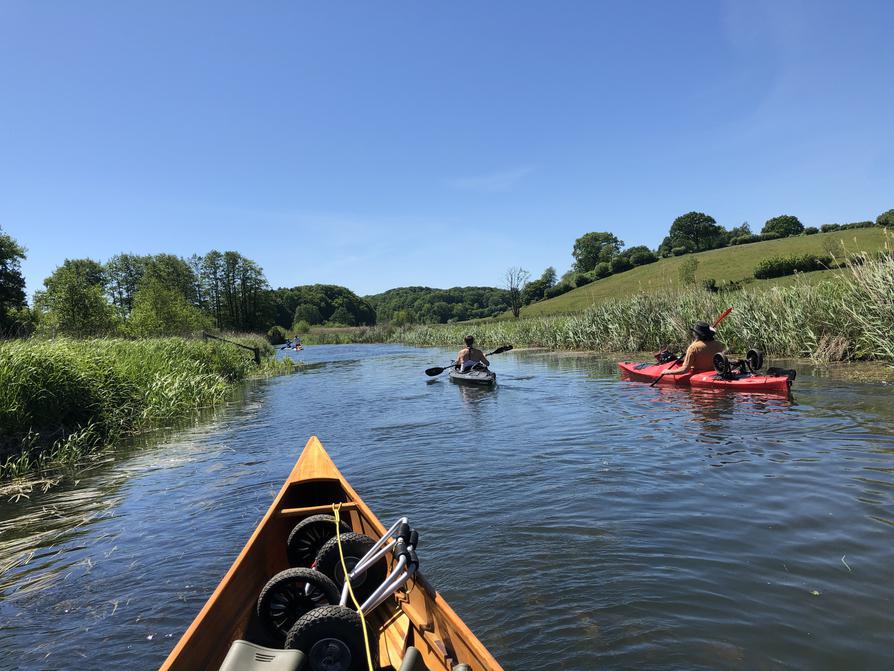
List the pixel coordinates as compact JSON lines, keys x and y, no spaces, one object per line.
{"x":775,"y":380}
{"x":649,"y":372}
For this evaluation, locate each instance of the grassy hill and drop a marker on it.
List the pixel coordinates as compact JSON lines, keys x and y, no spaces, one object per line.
{"x":727,"y":264}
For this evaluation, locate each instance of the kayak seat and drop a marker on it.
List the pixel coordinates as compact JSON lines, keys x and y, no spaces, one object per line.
{"x":245,"y":656}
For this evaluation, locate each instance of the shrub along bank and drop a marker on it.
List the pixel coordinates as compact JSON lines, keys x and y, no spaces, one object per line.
{"x":62,"y":399}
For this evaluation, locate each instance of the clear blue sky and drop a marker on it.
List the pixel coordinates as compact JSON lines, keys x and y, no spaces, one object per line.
{"x":384,"y":144}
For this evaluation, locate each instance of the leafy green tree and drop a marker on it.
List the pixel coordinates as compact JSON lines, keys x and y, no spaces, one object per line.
{"x":307,"y":312}
{"x":317,"y":303}
{"x":639,"y":255}
{"x":619,"y":264}
{"x":743,"y":230}
{"x":173,"y":273}
{"x":211,"y":280}
{"x":12,"y":282}
{"x":783,"y":226}
{"x":74,"y":302}
{"x":694,"y":232}
{"x":885,"y":218}
{"x":160,"y":310}
{"x":416,"y":302}
{"x":124,"y":273}
{"x":601,"y":270}
{"x":536,"y":290}
{"x":341,"y":317}
{"x":230,"y":287}
{"x":591,"y":248}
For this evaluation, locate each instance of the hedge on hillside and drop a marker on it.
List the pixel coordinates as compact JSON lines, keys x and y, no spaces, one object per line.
{"x":779,"y":266}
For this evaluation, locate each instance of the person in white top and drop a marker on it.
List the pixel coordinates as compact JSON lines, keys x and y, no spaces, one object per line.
{"x":470,"y":356}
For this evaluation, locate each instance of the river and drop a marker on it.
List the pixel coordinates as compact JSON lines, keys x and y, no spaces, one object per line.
{"x":573,"y":520}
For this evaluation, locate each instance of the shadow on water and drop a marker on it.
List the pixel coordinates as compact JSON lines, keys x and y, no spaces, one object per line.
{"x":622,"y":526}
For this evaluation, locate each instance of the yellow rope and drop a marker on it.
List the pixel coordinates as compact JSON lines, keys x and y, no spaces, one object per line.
{"x":335,"y":509}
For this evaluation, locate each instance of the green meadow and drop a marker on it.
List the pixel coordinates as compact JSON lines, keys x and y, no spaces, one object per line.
{"x":729,"y":264}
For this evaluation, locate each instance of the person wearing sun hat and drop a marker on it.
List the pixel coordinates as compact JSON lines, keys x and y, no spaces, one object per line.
{"x":700,"y":354}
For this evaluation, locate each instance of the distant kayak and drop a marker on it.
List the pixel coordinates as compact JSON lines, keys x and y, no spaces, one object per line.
{"x":775,"y":380}
{"x":475,"y":376}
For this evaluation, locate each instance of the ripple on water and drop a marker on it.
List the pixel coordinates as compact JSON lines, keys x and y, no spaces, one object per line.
{"x":574,"y":521}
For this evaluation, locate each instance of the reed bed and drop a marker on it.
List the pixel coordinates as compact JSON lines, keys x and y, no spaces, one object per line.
{"x":62,"y":399}
{"x":848,"y":317}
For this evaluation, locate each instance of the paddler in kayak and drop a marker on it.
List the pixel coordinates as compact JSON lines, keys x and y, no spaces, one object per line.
{"x":469,"y":356}
{"x":700,"y":354}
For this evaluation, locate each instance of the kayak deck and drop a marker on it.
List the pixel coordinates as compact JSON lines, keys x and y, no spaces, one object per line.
{"x":416,"y":615}
{"x":647,"y":372}
{"x":476,"y":377}
{"x":754,"y":382}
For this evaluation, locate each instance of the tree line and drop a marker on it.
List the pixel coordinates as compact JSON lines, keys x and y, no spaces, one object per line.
{"x":146,"y":295}
{"x":164,"y":294}
{"x":424,"y":305}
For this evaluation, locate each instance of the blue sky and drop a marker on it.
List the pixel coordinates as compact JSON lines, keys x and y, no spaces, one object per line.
{"x":378,"y":145}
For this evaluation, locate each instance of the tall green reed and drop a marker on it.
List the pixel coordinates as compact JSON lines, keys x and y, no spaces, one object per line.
{"x":61,"y":399}
{"x":849,"y":316}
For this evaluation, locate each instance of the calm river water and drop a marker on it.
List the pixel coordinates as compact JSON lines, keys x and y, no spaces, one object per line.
{"x":573,"y":520}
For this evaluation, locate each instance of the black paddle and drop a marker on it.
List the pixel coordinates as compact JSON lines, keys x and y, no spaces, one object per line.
{"x":431,"y":372}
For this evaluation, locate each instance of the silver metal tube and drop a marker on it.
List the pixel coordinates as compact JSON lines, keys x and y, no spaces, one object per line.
{"x":369,"y":559}
{"x":391,"y":584}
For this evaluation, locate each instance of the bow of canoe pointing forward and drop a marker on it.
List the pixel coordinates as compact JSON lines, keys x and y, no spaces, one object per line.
{"x":290,"y":566}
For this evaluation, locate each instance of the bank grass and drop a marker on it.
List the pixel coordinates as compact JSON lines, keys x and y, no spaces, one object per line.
{"x":63,"y":399}
{"x":848,"y":317}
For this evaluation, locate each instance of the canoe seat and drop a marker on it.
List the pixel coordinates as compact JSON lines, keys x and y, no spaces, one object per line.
{"x":413,"y":661}
{"x":245,"y":656}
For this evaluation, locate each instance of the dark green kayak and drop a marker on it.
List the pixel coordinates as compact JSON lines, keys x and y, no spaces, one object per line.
{"x":475,"y":376}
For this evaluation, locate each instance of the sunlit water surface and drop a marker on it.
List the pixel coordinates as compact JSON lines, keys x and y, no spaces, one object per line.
{"x":573,"y":520}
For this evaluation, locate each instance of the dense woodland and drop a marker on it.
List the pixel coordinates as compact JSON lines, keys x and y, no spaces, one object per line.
{"x":424,"y":305}
{"x":163,"y":294}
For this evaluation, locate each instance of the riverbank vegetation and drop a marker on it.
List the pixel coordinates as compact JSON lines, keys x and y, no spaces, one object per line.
{"x":847,"y":317}
{"x":64,"y":399}
{"x":850,"y":317}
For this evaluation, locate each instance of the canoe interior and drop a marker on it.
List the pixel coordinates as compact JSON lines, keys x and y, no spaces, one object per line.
{"x":417,"y":616}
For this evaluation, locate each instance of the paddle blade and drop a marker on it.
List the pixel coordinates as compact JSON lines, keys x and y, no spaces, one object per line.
{"x":431,"y":372}
{"x":500,"y":350}
{"x":722,"y":317}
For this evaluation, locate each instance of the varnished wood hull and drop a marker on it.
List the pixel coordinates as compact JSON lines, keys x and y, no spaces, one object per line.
{"x":418,"y":616}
